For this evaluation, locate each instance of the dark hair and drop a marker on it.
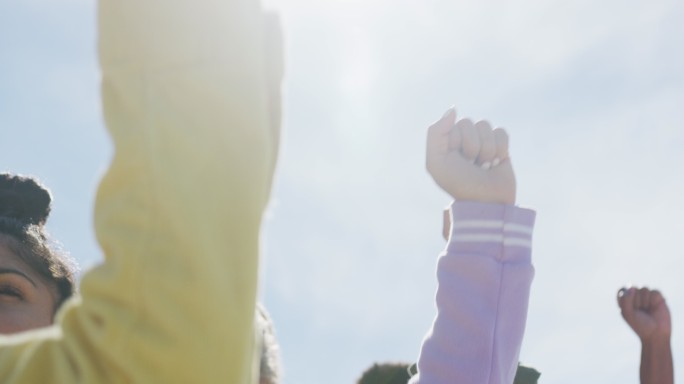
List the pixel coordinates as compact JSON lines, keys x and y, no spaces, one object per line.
{"x":25,"y":205}
{"x":386,"y":373}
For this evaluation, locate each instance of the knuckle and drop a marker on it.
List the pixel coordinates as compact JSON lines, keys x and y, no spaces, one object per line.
{"x":483,"y":126}
{"x":501,"y":133}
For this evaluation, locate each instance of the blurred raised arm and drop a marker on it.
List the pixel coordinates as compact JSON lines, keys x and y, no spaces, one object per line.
{"x":185,"y":91}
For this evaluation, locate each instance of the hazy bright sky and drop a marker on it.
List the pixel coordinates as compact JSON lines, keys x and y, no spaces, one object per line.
{"x":592,"y":94}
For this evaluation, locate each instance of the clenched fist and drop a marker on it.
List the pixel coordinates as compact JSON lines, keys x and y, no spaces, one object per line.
{"x":470,"y":161}
{"x":646,"y":313}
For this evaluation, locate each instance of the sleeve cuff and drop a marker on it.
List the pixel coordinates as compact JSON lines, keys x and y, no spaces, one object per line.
{"x":503,"y":230}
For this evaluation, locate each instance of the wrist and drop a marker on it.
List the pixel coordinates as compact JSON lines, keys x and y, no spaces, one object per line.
{"x":657,"y":340}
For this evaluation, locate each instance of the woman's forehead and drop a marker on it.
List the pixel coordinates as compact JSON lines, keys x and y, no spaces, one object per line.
{"x":10,"y":261}
{"x":8,"y":257}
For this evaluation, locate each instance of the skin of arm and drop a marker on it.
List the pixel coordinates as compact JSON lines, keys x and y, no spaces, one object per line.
{"x":484,"y":276}
{"x":186,"y":101}
{"x":646,"y":312}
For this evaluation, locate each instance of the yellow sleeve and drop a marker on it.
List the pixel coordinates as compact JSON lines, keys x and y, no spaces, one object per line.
{"x":178,"y":212}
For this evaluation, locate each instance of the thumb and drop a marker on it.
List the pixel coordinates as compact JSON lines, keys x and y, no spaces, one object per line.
{"x":626,"y":302}
{"x":442,"y":127}
{"x":438,"y":135}
{"x":446,"y":122}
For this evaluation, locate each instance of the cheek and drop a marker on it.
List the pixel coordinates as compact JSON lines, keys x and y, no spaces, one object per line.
{"x":10,"y":322}
{"x":13,"y":320}
{"x":24,"y":316}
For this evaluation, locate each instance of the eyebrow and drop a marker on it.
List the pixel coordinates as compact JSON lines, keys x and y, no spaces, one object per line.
{"x":17,"y":272}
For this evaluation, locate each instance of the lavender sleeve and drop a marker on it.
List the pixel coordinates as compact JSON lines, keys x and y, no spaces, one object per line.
{"x":484,"y":279}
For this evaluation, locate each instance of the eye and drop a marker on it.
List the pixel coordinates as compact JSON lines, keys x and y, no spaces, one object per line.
{"x":9,"y":291}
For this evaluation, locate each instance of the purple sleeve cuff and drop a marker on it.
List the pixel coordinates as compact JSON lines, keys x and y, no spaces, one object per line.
{"x":502,"y":231}
{"x":470,"y":210}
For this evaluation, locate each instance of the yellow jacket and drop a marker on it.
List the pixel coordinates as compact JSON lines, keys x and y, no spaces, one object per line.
{"x":186,"y":101}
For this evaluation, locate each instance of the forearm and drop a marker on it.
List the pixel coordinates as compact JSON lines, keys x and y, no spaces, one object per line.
{"x":656,"y":362}
{"x":180,"y":208}
{"x":484,"y":281}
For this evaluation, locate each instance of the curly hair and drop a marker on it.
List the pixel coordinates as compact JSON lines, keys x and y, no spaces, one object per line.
{"x":386,"y":373}
{"x":25,"y":205}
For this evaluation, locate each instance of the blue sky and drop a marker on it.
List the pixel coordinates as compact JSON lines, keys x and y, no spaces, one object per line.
{"x":590,"y":92}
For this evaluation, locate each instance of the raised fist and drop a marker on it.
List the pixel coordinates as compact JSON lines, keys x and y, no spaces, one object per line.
{"x":646,"y":313}
{"x":470,"y":161}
